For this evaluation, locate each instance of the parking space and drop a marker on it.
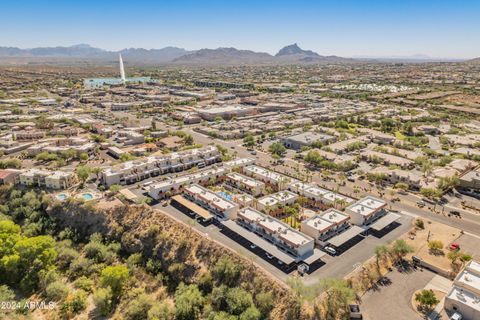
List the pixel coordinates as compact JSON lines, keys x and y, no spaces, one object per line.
{"x":391,"y":298}
{"x":259,"y":252}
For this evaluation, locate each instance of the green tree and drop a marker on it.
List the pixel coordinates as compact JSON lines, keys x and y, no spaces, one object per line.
{"x":103,"y":299}
{"x":83,"y":172}
{"x":277,"y":148}
{"x":249,"y":140}
{"x":57,"y":291}
{"x":138,"y":308}
{"x":426,"y":298}
{"x":264,"y":302}
{"x":226,"y":271}
{"x":238,"y":300}
{"x":115,"y":278}
{"x":400,"y":248}
{"x":188,"y":302}
{"x":338,"y":296}
{"x":74,"y":304}
{"x":161,"y":311}
{"x":251,"y":313}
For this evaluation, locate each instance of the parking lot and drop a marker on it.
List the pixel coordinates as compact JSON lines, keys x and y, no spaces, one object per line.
{"x":329,"y":267}
{"x":392,"y":299}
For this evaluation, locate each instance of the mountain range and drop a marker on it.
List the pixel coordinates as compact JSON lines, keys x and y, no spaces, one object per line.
{"x":291,"y":54}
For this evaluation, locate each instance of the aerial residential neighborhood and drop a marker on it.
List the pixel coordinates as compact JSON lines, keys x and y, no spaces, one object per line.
{"x":269,"y":182}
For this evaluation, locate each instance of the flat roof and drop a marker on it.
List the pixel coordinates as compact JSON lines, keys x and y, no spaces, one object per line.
{"x":259,"y":242}
{"x":465,"y":297}
{"x":385,"y":221}
{"x":309,"y":137}
{"x":210,"y":197}
{"x":193,"y":207}
{"x":367,"y":206}
{"x":468,"y":279}
{"x":345,"y":236}
{"x":283,"y":231}
{"x":275,"y":176}
{"x":248,"y":181}
{"x":317,"y":254}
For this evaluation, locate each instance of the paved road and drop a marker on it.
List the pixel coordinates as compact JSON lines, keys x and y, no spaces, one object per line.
{"x":470,"y":222}
{"x":393,"y":302}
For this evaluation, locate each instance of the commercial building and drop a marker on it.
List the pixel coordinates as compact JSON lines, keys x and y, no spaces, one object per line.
{"x":325,"y":225}
{"x":57,"y":180}
{"x":225,"y":112}
{"x":464,"y":296}
{"x":138,"y":170}
{"x":307,"y":139}
{"x":222,"y":209}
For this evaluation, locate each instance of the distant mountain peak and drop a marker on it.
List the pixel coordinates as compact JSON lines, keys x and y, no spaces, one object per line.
{"x":295,"y":49}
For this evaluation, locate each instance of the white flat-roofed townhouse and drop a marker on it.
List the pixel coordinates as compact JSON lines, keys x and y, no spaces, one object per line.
{"x":277,"y":232}
{"x":239,"y":163}
{"x":273,"y":202}
{"x":138,"y":170}
{"x":464,"y":296}
{"x":325,"y":225}
{"x":57,"y":180}
{"x":244,"y":183}
{"x":319,"y":195}
{"x":366,"y":210}
{"x":209,"y":200}
{"x":279,"y":181}
{"x":173,"y":186}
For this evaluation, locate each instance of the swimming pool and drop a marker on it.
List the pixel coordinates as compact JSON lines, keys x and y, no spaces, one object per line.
{"x":87,"y":196}
{"x":62,"y":196}
{"x":225,"y":195}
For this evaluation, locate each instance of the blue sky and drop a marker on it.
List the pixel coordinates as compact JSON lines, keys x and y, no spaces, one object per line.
{"x":346,"y":28}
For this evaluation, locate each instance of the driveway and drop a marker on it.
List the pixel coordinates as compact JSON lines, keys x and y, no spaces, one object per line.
{"x":393,"y":300}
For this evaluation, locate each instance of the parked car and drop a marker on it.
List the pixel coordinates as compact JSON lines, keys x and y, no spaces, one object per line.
{"x":252,"y":246}
{"x":330,"y":250}
{"x":351,"y":179}
{"x":421,"y":203}
{"x":454,"y":246}
{"x":269,"y":256}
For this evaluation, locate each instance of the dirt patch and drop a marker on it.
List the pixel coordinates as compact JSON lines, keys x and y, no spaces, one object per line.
{"x":433,"y":231}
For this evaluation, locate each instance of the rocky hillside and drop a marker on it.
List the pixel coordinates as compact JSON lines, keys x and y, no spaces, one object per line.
{"x":156,"y":236}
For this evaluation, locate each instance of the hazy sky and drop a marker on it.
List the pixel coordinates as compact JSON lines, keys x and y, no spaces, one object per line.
{"x":346,"y":28}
